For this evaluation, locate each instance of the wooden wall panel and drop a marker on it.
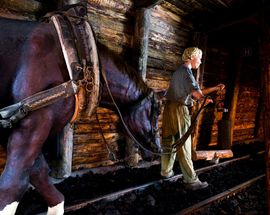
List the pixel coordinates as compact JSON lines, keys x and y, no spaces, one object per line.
{"x":20,"y":9}
{"x":248,"y":102}
{"x":112,"y":22}
{"x":90,"y":139}
{"x":169,"y":35}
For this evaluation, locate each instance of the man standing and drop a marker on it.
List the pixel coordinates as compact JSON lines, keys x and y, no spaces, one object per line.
{"x":183,"y":90}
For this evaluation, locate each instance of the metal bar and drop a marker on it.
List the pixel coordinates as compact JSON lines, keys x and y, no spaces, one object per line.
{"x":205,"y":203}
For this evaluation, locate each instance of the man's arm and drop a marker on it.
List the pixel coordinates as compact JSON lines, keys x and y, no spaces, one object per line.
{"x":198,"y":95}
{"x":209,"y":90}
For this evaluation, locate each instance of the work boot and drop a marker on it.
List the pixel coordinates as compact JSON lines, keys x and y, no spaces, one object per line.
{"x":197,"y":185}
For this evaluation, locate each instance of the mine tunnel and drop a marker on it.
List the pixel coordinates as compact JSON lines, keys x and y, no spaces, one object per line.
{"x":100,"y":169}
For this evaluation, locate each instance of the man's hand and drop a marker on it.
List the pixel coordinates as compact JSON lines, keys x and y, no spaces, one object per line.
{"x":220,"y":87}
{"x":208,"y":100}
{"x":205,"y":100}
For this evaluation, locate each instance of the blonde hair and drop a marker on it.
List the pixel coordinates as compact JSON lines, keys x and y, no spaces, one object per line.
{"x":190,"y":52}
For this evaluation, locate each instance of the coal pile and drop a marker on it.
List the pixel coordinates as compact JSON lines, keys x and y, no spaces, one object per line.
{"x":171,"y":197}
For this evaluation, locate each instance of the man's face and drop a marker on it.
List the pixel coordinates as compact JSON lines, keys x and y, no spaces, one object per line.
{"x":196,"y":61}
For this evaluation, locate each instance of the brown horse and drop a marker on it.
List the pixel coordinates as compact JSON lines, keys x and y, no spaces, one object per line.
{"x":31,"y":61}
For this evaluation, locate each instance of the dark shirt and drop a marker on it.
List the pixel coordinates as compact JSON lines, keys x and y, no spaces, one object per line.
{"x":181,"y":86}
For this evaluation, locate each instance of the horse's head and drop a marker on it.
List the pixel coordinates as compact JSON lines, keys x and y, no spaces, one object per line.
{"x":142,"y":121}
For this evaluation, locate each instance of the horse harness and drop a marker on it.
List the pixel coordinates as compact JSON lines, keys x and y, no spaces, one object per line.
{"x":82,"y":63}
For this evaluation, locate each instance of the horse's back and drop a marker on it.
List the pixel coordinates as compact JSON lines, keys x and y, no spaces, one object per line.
{"x":13,"y":35}
{"x":30,"y":58}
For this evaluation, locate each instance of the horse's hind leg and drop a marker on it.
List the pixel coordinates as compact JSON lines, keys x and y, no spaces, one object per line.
{"x":24,"y":146}
{"x":39,"y":178}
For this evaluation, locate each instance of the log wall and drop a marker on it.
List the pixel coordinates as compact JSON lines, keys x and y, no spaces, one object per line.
{"x":170,"y":33}
{"x":248,"y":103}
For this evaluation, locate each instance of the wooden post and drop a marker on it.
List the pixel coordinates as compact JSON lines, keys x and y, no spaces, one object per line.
{"x":233,"y":106}
{"x":266,"y":120}
{"x":141,"y":34}
{"x":62,"y":168}
{"x":265,"y":61}
{"x":140,"y":52}
{"x":265,"y":77}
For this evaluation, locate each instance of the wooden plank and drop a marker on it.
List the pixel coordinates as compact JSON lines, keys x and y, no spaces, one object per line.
{"x":157,"y":85}
{"x":120,"y":7}
{"x":156,"y":74}
{"x":89,"y":165}
{"x":161,"y":64}
{"x":86,"y":138}
{"x":210,"y":154}
{"x":21,"y":9}
{"x":164,"y":14}
{"x":23,"y":6}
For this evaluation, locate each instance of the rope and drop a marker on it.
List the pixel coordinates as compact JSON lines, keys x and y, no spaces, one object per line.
{"x":110,"y":151}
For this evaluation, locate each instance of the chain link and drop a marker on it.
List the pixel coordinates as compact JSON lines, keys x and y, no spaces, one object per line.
{"x":88,"y":79}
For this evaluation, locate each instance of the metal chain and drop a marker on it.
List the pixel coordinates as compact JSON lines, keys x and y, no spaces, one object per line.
{"x":88,"y":77}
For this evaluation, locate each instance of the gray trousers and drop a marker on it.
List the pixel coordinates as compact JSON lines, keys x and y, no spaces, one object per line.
{"x":176,"y":120}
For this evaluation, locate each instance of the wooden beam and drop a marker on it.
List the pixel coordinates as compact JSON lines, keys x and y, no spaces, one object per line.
{"x":266,"y":120}
{"x":265,"y":74}
{"x":21,"y":5}
{"x":233,"y":106}
{"x":141,"y":34}
{"x":62,"y":168}
{"x":265,"y":58}
{"x":141,"y":38}
{"x":22,"y":9}
{"x":146,"y":3}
